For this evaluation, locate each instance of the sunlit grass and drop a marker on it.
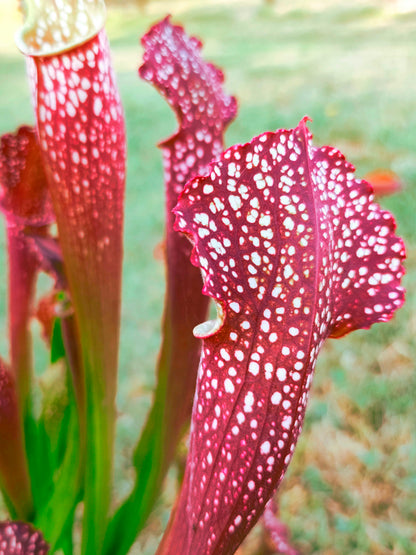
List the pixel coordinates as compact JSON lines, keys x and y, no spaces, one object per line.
{"x":351,"y":488}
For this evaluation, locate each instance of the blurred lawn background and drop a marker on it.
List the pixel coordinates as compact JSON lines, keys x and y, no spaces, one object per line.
{"x":350,"y":66}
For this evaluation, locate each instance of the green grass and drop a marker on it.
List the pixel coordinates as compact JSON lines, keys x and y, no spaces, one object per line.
{"x":351,"y":488}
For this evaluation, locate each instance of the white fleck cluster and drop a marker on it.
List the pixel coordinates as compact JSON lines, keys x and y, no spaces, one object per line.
{"x":81,"y":133}
{"x":193,"y":88}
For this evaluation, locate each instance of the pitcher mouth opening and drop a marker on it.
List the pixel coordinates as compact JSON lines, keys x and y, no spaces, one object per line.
{"x":209,"y":327}
{"x":45,"y":32}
